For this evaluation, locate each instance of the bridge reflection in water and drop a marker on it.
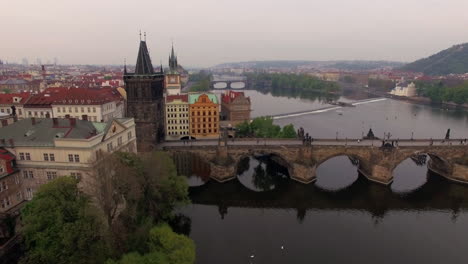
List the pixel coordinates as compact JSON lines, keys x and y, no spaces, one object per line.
{"x":263,"y":183}
{"x":362,"y":195}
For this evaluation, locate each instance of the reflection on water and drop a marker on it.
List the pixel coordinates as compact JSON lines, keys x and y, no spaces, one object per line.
{"x":261,"y":173}
{"x":230,"y":223}
{"x":336,"y":173}
{"x":404,"y":182}
{"x":192,"y":166}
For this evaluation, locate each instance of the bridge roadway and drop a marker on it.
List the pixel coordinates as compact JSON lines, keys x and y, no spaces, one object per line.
{"x":316,"y":142}
{"x":447,"y":157}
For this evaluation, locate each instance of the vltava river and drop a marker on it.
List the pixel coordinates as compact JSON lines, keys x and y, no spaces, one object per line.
{"x":264,"y":217}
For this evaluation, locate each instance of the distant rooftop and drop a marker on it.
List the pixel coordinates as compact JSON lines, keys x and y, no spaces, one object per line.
{"x":181,"y":97}
{"x":193,"y":97}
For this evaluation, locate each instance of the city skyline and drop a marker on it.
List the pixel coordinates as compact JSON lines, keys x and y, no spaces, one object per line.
{"x":206,"y":33}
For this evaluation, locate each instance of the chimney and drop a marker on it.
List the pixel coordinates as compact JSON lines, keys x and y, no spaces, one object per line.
{"x":72,"y":122}
{"x":55,"y":121}
{"x":33,"y":121}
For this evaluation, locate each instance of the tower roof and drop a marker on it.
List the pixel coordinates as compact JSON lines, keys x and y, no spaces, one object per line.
{"x":173,"y":61}
{"x":143,"y":65}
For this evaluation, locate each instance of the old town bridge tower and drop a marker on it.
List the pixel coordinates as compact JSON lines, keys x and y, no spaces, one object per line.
{"x":145,"y":101}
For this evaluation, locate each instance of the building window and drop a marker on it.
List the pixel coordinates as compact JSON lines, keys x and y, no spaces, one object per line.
{"x":82,"y":109}
{"x":28,"y":174}
{"x":58,"y":109}
{"x":29,"y":193}
{"x":119,"y":141}
{"x":18,"y":196}
{"x":76,"y":175}
{"x":28,"y":156}
{"x":3,"y":186}
{"x":94,"y":109}
{"x":129,"y":135}
{"x":46,"y":157}
{"x":51,"y":157}
{"x":110,"y":147}
{"x":21,"y":155}
{"x":77,"y":158}
{"x":76,"y":109}
{"x":70,"y":157}
{"x":51,"y":175}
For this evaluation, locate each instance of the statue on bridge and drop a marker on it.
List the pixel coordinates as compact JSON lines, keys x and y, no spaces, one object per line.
{"x":447,"y":135}
{"x":300,"y":133}
{"x":370,"y":135}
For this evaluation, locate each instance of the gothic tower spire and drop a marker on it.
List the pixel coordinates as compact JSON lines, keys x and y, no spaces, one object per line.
{"x":172,"y":60}
{"x":143,"y":65}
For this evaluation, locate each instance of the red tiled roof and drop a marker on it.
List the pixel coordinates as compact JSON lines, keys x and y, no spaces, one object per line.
{"x":8,"y":98}
{"x":6,"y":155}
{"x":182,"y":97}
{"x":74,"y":96}
{"x":229,"y":96}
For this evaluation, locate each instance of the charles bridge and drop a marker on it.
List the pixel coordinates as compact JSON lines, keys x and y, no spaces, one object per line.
{"x":375,"y":159}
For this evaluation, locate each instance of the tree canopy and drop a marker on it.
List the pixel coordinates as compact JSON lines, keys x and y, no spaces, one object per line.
{"x":202,"y":81}
{"x":165,"y":246}
{"x":132,"y":193}
{"x":294,"y":85}
{"x":61,"y":226}
{"x":440,"y":92}
{"x":263,"y":127}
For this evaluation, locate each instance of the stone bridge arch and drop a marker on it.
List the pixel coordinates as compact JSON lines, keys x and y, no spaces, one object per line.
{"x":442,"y":160}
{"x":277,"y":156}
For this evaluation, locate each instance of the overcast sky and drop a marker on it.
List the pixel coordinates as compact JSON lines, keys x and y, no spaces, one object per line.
{"x":207,"y":32}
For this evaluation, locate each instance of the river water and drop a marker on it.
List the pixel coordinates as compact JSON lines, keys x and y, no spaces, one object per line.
{"x":264,"y":217}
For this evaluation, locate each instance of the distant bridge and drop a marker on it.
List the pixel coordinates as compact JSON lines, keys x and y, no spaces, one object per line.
{"x":228,"y":82}
{"x":375,"y":162}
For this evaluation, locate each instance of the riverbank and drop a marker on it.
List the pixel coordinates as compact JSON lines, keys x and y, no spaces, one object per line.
{"x":420,"y":100}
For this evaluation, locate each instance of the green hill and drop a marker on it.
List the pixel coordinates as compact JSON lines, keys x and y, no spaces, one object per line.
{"x":451,"y":60}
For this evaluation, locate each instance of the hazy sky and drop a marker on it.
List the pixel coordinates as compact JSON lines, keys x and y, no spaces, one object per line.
{"x":207,"y":32}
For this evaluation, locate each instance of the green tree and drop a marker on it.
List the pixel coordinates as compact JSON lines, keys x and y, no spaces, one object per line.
{"x":165,"y":246}
{"x":61,"y":226}
{"x":288,"y":132}
{"x":159,"y":190}
{"x":263,"y":127}
{"x":202,"y":81}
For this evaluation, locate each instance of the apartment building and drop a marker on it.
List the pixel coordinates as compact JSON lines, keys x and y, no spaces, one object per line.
{"x":177,"y":117}
{"x":47,"y":148}
{"x":204,"y":115}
